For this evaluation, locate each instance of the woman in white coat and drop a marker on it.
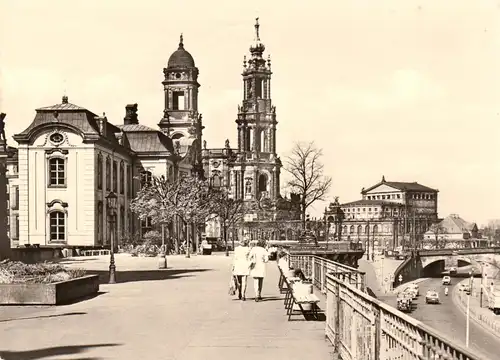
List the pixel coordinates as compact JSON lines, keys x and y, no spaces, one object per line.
{"x":241,"y":267}
{"x":258,"y":259}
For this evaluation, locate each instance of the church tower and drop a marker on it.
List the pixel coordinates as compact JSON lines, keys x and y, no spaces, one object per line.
{"x":180,"y":116}
{"x":257,"y":169}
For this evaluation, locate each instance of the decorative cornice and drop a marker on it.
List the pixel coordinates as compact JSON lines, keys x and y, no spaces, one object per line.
{"x":53,"y":150}
{"x":57,"y":201}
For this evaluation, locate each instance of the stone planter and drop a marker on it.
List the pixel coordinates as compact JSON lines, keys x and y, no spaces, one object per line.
{"x":49,"y":294}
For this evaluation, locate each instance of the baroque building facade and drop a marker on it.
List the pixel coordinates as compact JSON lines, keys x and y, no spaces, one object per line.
{"x":390,"y":214}
{"x":69,"y":159}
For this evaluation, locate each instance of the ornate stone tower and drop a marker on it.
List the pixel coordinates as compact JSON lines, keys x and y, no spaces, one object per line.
{"x":257,"y":170}
{"x":180,"y":116}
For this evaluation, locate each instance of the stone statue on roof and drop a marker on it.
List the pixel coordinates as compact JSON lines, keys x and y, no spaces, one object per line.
{"x":2,"y":126}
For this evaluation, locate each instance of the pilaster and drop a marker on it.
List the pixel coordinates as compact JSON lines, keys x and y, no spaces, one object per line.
{"x":5,"y":251}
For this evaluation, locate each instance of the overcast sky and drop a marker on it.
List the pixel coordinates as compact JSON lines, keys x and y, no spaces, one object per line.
{"x":406,"y":89}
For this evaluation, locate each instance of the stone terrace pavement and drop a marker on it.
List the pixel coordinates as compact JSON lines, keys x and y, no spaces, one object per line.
{"x":180,"y":313}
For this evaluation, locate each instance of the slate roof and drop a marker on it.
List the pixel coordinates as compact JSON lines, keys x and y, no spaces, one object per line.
{"x":136,"y":137}
{"x":400,"y":185}
{"x":368,"y":202}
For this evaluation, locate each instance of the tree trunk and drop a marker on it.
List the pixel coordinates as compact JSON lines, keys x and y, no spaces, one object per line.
{"x":176,"y":235}
{"x":232,"y":236}
{"x":225,"y":239}
{"x":188,"y":246}
{"x":303,"y":215}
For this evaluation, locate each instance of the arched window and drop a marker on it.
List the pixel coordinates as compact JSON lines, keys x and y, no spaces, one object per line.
{"x":344,"y":230}
{"x":351,"y":230}
{"x":115,"y":176}
{"x":146,"y":178}
{"x":57,"y":226}
{"x":262,"y":183}
{"x":122,"y":178}
{"x":57,"y":172}
{"x":99,"y":171}
{"x":367,"y":229}
{"x":99,"y":222}
{"x":360,"y":229}
{"x":216,"y":182}
{"x":108,"y":174}
{"x":375,"y":229}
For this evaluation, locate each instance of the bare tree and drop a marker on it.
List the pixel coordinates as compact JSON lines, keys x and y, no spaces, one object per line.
{"x":306,"y":169}
{"x":229,"y":211}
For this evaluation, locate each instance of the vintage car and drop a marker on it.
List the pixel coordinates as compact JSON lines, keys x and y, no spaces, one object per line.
{"x":446,"y":280}
{"x":404,"y":301}
{"x":432,"y":297}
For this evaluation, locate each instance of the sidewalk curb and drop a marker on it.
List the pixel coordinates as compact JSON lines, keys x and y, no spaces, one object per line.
{"x":461,"y":304}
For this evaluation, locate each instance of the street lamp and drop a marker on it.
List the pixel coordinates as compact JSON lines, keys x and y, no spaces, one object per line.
{"x":468,"y":311}
{"x":111,"y":206}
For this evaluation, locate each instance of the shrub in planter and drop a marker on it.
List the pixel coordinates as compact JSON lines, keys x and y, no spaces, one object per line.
{"x":16,"y":272}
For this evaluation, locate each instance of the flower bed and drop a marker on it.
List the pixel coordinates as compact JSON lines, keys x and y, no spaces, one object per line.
{"x":43,"y":284}
{"x":16,"y":272}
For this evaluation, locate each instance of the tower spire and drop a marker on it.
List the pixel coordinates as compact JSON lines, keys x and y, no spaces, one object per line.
{"x":257,"y":37}
{"x":181,"y":42}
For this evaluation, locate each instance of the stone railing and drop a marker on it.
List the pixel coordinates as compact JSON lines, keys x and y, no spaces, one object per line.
{"x":363,"y":328}
{"x":316,"y":268}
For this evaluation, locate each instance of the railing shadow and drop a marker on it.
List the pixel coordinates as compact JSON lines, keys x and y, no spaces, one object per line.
{"x":52,"y":352}
{"x":145,"y":275}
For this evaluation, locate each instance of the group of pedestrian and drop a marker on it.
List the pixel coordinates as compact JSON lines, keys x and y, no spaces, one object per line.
{"x":250,"y":259}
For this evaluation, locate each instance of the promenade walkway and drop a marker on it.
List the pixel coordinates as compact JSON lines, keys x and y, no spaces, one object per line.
{"x":180,"y":313}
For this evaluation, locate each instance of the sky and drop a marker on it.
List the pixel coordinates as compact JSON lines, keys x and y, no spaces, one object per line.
{"x":405,"y":89}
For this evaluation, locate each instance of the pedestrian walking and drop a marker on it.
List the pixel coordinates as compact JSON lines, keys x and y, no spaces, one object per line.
{"x":241,"y":267}
{"x":258,"y":259}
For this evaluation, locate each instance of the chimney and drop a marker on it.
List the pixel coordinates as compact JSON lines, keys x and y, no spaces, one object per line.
{"x":101,"y":123}
{"x":130,"y":115}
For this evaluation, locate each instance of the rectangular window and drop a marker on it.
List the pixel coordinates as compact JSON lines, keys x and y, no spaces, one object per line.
{"x":130,"y":181}
{"x":57,"y":172}
{"x":115,"y":176}
{"x":108,"y":174}
{"x":146,"y":226}
{"x":15,"y":233}
{"x":15,"y":198}
{"x":99,"y":172}
{"x":178,"y":100}
{"x":122,"y":178}
{"x":57,"y":226}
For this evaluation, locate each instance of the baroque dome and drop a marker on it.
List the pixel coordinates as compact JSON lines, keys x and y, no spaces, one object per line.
{"x":181,"y":58}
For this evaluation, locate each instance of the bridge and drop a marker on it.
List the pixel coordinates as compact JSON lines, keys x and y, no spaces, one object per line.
{"x":429,"y":263}
{"x":361,"y":327}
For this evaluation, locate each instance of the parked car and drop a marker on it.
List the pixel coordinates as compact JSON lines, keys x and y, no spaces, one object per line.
{"x":446,"y":280}
{"x":453,"y":271}
{"x":431,"y":297}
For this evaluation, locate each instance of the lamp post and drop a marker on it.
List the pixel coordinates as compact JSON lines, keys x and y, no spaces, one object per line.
{"x":468,"y":311}
{"x":111,"y":205}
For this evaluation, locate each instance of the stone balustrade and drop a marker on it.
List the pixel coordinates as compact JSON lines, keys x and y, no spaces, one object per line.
{"x":361,"y":327}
